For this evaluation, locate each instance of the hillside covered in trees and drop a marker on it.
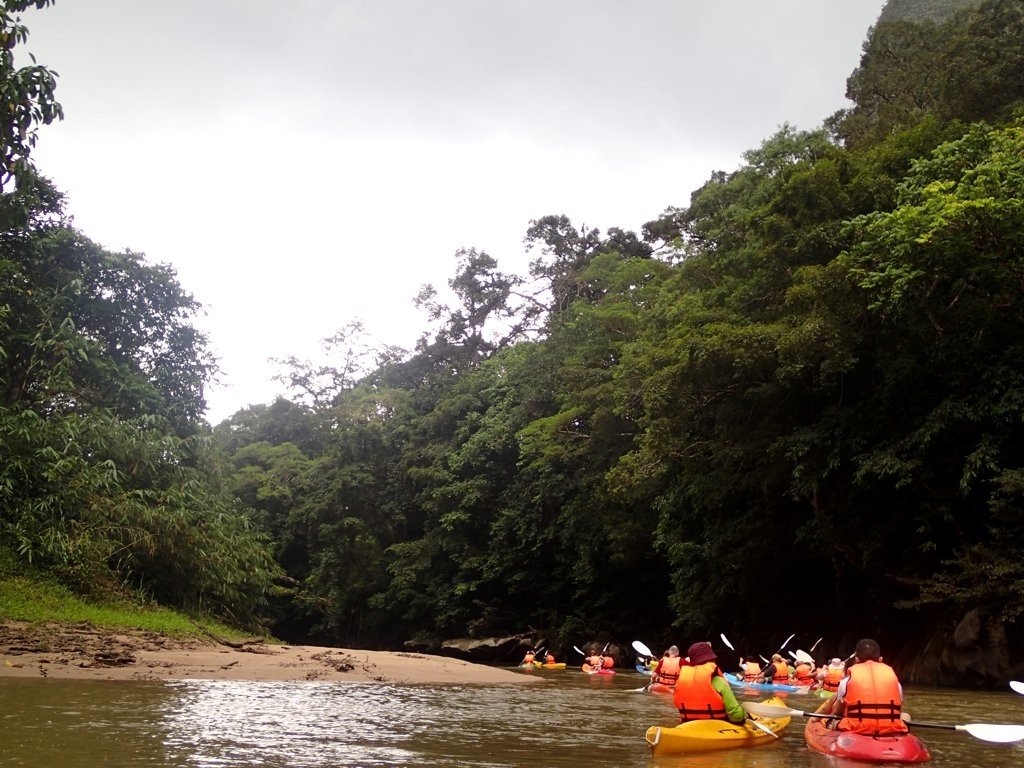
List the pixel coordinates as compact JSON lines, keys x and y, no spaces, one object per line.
{"x":806,"y":386}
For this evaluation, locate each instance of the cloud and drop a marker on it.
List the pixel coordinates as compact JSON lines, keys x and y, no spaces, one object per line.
{"x":304,"y":163}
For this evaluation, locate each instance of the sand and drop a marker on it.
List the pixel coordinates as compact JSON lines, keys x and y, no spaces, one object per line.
{"x":82,"y":651}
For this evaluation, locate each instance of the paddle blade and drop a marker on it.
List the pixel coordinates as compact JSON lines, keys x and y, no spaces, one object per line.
{"x":803,"y":656}
{"x":781,"y":647}
{"x":1000,"y":734}
{"x":581,"y":653}
{"x":1018,"y":686}
{"x":816,"y":643}
{"x":763,"y":727}
{"x":642,"y":649}
{"x":727,"y":643}
{"x":770,"y":710}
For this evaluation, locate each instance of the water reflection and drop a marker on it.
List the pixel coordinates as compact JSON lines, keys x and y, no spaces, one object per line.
{"x":567,"y":721}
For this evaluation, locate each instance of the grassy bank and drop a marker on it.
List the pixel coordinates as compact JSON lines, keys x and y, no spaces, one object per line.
{"x":35,"y":597}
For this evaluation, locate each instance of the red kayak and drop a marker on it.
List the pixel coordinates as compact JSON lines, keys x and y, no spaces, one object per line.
{"x":901,"y":748}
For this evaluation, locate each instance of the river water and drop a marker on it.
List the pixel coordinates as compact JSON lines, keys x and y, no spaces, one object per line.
{"x":570,"y":719}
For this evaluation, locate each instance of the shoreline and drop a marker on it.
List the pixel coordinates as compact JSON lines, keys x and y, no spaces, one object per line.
{"x":83,"y":651}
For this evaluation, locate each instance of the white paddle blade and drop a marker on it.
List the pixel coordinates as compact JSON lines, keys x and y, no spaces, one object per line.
{"x":769,"y":710}
{"x":765,"y":728}
{"x":1001,"y":734}
{"x":803,"y":656}
{"x":1018,"y":686}
{"x":642,"y":649}
{"x":729,"y":645}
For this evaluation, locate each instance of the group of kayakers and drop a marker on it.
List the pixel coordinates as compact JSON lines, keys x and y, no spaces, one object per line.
{"x":866,"y":694}
{"x":803,"y":672}
{"x":534,"y":657}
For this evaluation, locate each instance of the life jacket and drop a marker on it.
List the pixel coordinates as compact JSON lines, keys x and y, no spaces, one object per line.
{"x":803,"y":674}
{"x":695,"y":698}
{"x":549,"y":659}
{"x":592,"y":664}
{"x":667,"y":672}
{"x":607,"y":662}
{"x":752,"y":672}
{"x":528,"y":658}
{"x":833,"y":677}
{"x":872,"y":700}
{"x":781,"y":674}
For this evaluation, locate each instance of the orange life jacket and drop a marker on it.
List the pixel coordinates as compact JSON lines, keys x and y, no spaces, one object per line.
{"x":607,"y":662}
{"x":695,"y":698}
{"x":832,"y":679}
{"x":803,"y":673}
{"x":752,"y":672}
{"x":528,"y":658}
{"x":781,"y":675}
{"x":549,"y":659}
{"x":667,"y":672}
{"x":872,"y":700}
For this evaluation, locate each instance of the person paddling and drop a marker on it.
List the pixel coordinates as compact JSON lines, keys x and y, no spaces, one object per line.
{"x":751,"y":670}
{"x":777,"y":671}
{"x":870,"y":698}
{"x":832,"y":675}
{"x":702,"y":692}
{"x":667,"y":670}
{"x":803,"y":673}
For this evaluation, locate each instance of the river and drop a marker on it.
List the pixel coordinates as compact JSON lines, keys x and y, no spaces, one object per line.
{"x":571,"y":720}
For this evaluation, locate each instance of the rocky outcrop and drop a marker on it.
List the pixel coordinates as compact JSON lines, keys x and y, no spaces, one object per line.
{"x":979,"y":652}
{"x":490,"y":650}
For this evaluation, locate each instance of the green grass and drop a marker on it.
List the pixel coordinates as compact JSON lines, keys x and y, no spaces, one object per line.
{"x":35,"y":597}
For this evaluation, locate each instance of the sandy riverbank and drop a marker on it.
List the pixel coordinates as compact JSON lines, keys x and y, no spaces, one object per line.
{"x":82,"y":651}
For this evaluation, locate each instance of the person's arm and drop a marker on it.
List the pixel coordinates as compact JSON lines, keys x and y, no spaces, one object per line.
{"x":733,"y":710}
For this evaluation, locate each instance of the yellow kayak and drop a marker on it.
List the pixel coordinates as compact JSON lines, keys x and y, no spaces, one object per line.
{"x":555,"y":665}
{"x":711,"y":735}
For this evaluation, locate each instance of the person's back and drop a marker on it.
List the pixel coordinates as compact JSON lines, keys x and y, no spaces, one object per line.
{"x":870,"y":697}
{"x":701,"y":693}
{"x":667,"y":671}
{"x":751,"y":670}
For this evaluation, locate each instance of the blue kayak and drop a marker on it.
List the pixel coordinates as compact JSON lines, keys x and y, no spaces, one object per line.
{"x":736,"y":682}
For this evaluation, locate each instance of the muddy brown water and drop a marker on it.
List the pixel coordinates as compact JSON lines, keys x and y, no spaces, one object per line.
{"x":570,"y":721}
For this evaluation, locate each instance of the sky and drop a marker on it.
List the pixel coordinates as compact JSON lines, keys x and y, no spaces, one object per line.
{"x":308,"y":163}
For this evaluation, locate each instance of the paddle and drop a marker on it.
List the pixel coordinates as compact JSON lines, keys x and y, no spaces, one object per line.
{"x":994,"y":732}
{"x":762,"y":726}
{"x":1018,"y":686}
{"x":726,"y":641}
{"x":781,"y":647}
{"x":581,"y":653}
{"x":816,"y":644}
{"x":642,"y":649}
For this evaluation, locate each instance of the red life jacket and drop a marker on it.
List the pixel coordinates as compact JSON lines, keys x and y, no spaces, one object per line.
{"x":752,"y":672}
{"x":667,"y":672}
{"x":872,"y":700}
{"x":607,"y":662}
{"x":832,"y":679}
{"x":695,"y":698}
{"x":781,"y":675}
{"x":803,"y":673}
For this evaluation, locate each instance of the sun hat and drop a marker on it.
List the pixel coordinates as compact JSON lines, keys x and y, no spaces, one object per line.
{"x":701,"y":653}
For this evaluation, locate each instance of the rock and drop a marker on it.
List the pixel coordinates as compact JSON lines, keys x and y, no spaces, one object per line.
{"x":487,"y":649}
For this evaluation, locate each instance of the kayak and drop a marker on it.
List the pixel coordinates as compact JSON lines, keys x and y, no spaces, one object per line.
{"x":713,"y":735}
{"x":591,"y":671}
{"x":661,"y":688}
{"x":898,"y":748}
{"x":735,"y":682}
{"x":545,"y":665}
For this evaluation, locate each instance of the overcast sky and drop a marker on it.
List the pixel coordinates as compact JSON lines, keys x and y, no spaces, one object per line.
{"x":305,"y":163}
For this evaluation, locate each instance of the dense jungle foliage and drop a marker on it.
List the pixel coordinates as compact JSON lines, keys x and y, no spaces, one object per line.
{"x":804,"y":387}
